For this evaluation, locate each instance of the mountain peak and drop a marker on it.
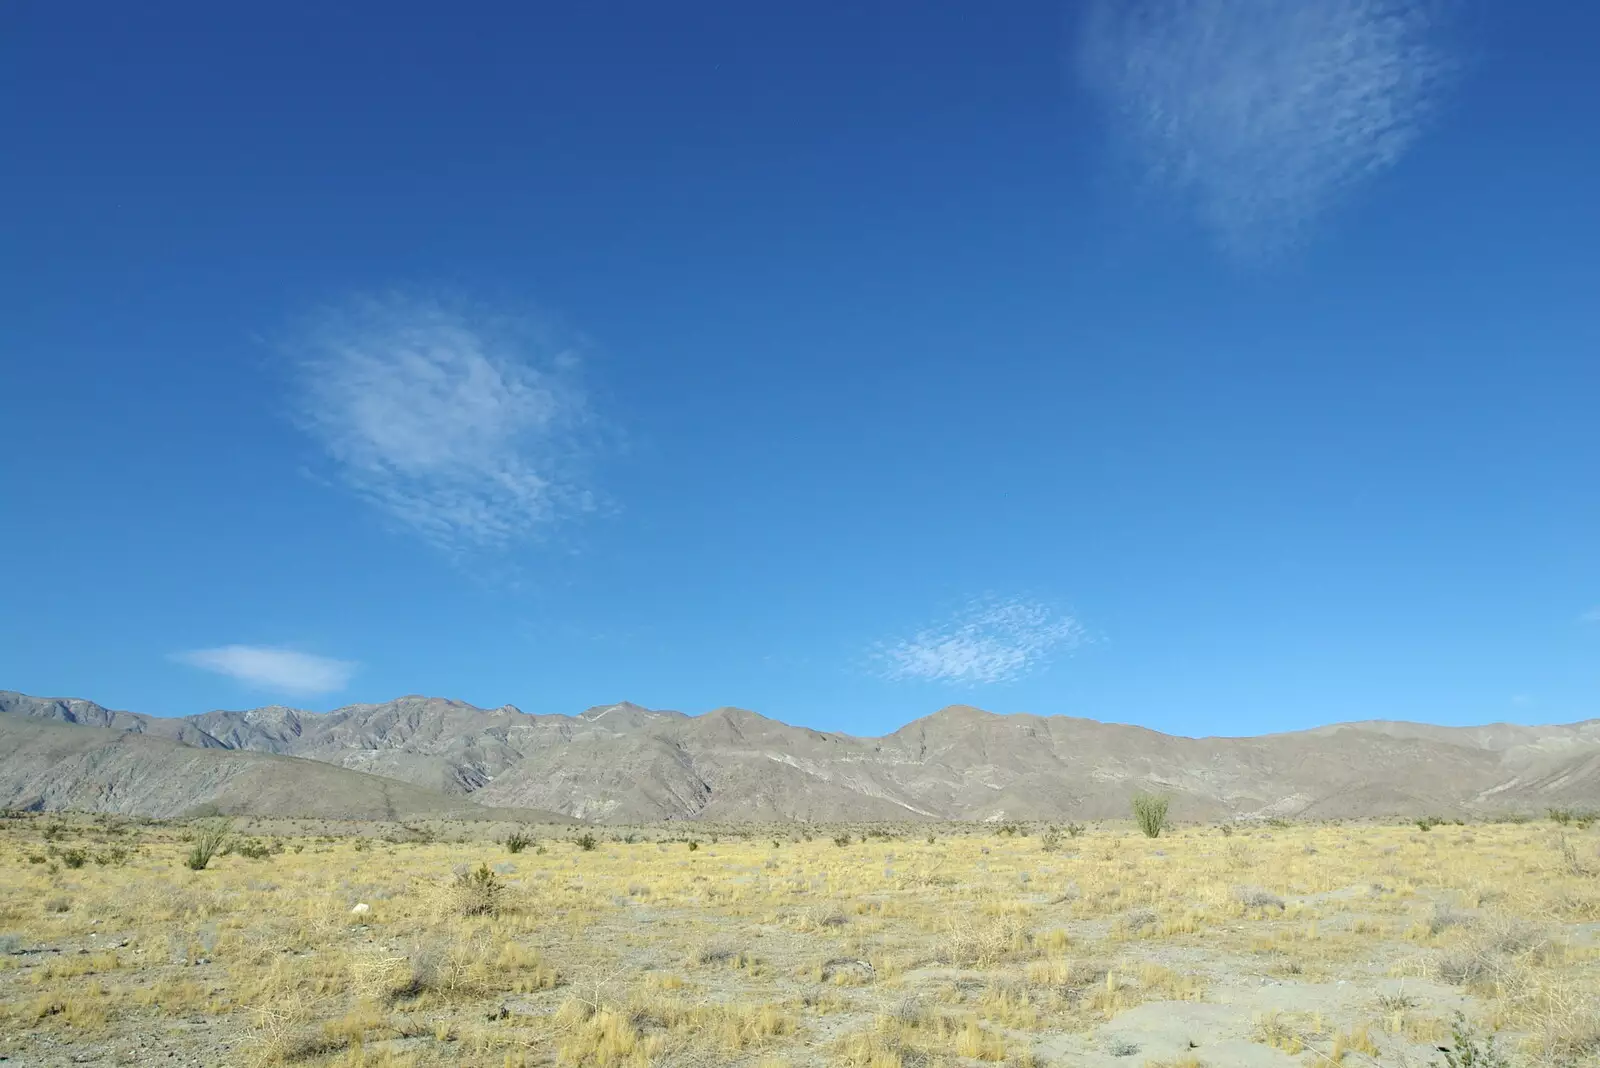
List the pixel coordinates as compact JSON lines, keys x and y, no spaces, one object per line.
{"x":622,"y":710}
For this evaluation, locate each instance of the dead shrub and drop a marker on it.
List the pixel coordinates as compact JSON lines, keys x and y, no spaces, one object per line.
{"x":984,"y":944}
{"x":1256,"y":897}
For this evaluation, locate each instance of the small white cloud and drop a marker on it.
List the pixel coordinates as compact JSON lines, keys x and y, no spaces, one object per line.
{"x":1591,"y":616}
{"x":1261,"y":114}
{"x":1521,"y":699}
{"x":989,"y":641}
{"x":465,"y":425}
{"x":273,"y":669}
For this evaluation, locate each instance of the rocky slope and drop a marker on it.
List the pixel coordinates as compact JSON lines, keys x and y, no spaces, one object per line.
{"x":49,"y":767}
{"x":623,"y":763}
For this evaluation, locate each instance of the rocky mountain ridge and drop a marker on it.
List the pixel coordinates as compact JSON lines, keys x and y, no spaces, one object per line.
{"x":625,"y":763}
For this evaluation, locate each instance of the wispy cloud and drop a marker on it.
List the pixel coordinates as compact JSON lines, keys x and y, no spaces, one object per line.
{"x":1591,"y":616}
{"x":1261,"y":114}
{"x":988,"y":641}
{"x":273,"y":669}
{"x":466,"y":425}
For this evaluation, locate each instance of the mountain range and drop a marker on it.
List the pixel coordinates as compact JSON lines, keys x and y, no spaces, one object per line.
{"x":621,"y":763}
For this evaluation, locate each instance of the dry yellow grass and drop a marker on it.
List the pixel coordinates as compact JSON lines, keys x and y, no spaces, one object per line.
{"x":771,"y":947}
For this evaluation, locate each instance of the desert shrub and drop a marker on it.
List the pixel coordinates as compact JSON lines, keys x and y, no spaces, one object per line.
{"x":1135,"y":920}
{"x":209,"y":838}
{"x":1256,"y":897}
{"x":1562,"y":816}
{"x":1050,"y":840}
{"x":1490,"y":954}
{"x":983,"y":944}
{"x":1428,"y":823}
{"x":693,"y":845}
{"x":841,"y":840}
{"x":587,"y":842}
{"x":516,"y":842}
{"x":76,"y":857}
{"x":1570,"y":858}
{"x":253,"y":848}
{"x":1445,"y":916}
{"x":1075,"y":830}
{"x":720,"y":953}
{"x":1468,"y":1051}
{"x":1150,"y":813}
{"x":477,"y":892}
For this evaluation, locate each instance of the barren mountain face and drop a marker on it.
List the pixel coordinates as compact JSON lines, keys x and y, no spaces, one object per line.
{"x":622,"y":763}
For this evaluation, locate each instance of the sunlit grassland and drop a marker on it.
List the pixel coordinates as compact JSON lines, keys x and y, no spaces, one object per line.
{"x":881,"y":946}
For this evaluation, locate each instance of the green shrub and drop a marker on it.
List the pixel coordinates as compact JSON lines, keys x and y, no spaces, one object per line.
{"x":842,"y":840}
{"x":587,"y":842}
{"x":693,"y":845}
{"x":478,"y":892}
{"x":209,"y":838}
{"x":1150,"y":813}
{"x":1466,"y":1051}
{"x":253,"y":849}
{"x":516,"y":842}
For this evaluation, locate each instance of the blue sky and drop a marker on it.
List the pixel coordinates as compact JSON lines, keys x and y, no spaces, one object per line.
{"x":1216,"y":366}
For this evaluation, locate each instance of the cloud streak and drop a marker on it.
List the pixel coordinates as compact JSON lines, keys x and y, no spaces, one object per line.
{"x":466,"y":426}
{"x":1591,"y":616}
{"x":989,"y":641}
{"x":273,"y":669}
{"x":1260,"y":115}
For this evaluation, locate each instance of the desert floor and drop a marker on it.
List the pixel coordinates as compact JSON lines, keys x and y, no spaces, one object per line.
{"x":882,"y":946}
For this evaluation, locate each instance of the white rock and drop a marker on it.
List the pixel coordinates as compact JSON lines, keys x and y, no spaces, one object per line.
{"x":361,"y":909}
